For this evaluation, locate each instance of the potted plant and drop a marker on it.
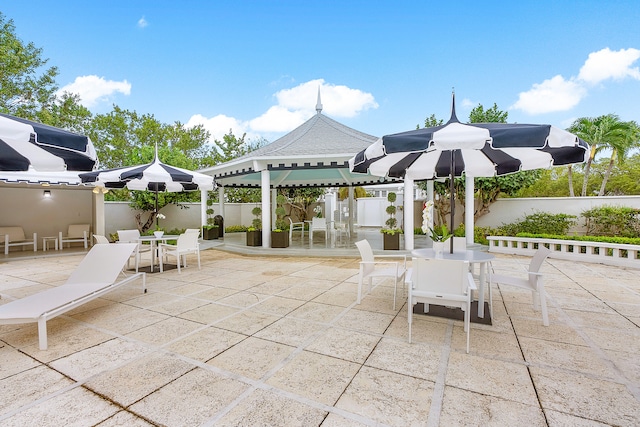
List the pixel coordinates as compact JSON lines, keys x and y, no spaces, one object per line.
{"x":254,"y":233}
{"x":391,"y":234}
{"x":210,"y":231}
{"x":439,"y":234}
{"x":280,"y":238}
{"x":159,"y":232}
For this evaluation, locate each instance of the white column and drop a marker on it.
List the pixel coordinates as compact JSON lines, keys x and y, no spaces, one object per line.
{"x":98,"y":214}
{"x":430,"y":196}
{"x":469,"y":208}
{"x":266,"y":208}
{"x":351,"y":211}
{"x":221,"y":201}
{"x":203,"y":207}
{"x":408,"y":213}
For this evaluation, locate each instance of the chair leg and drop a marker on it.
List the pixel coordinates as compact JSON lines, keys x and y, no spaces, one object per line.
{"x":543,"y":303}
{"x":395,"y":287}
{"x":360,"y":286}
{"x":409,"y":316}
{"x":198,"y":253}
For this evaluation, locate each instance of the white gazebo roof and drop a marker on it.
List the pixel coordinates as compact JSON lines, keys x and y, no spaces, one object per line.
{"x":315,"y":154}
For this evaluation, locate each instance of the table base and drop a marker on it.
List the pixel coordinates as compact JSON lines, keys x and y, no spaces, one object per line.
{"x":454,"y":313}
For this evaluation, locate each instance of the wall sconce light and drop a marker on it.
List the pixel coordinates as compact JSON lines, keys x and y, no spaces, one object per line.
{"x":98,"y":190}
{"x":47,"y":194}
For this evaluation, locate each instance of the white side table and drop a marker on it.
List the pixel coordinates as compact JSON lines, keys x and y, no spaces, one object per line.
{"x":46,"y":240}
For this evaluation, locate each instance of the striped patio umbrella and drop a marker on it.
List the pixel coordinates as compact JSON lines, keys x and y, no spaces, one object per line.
{"x":155,"y":176}
{"x":475,"y":149}
{"x":27,"y":146}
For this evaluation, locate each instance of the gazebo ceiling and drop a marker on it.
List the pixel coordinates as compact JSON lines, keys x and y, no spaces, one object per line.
{"x":315,"y":154}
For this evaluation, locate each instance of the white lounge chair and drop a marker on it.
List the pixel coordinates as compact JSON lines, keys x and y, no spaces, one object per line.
{"x":95,"y":276}
{"x":296,"y":226}
{"x":77,"y":233}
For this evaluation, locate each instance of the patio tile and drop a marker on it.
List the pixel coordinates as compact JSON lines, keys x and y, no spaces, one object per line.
{"x":124,"y":418}
{"x":14,"y":362}
{"x":344,"y":344}
{"x":246,"y":322}
{"x":620,"y":341}
{"x":290,"y":331}
{"x":76,"y":407}
{"x":335,"y":420}
{"x":214,"y":293}
{"x":365,"y":321}
{"x":83,"y":364}
{"x":315,"y":376}
{"x":190,"y":399}
{"x":278,"y":305}
{"x":205,"y":344}
{"x":465,"y":408}
{"x":162,"y":332}
{"x":568,"y":356}
{"x":504,"y":380}
{"x":263,"y":408}
{"x":559,"y":419}
{"x":252,"y":358}
{"x":243,"y":299}
{"x":26,"y":387}
{"x":209,"y":313}
{"x":417,"y":360}
{"x":317,"y":312}
{"x":424,"y":329}
{"x":554,"y":332}
{"x":587,"y":397}
{"x":387,"y":398}
{"x":129,"y":383}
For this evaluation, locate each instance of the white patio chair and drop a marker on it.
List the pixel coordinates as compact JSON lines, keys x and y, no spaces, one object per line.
{"x":295,"y":226}
{"x":193,"y":230}
{"x":533,"y":282}
{"x":76,"y":233}
{"x":318,"y":224}
{"x":131,"y":236}
{"x":370,"y":267}
{"x":441,"y":282}
{"x":187,"y":244}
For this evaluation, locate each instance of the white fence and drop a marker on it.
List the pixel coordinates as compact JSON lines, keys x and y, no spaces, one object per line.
{"x":574,"y":250}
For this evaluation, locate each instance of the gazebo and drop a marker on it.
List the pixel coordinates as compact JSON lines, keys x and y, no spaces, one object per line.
{"x":315,"y":154}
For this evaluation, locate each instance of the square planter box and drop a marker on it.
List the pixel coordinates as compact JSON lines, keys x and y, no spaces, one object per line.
{"x":211,"y":234}
{"x":279,"y":239}
{"x":391,"y":242}
{"x":254,"y":238}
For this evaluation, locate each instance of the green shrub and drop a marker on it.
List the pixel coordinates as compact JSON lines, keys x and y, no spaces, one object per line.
{"x":235,"y":229}
{"x":600,"y":239}
{"x":613,"y":221}
{"x":539,"y":223}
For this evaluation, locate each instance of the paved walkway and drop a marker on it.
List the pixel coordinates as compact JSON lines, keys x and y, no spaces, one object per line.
{"x":278,"y":341}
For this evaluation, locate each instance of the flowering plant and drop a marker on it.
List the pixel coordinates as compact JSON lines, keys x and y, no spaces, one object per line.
{"x":437,"y":234}
{"x":159,"y":216}
{"x":318,"y":211}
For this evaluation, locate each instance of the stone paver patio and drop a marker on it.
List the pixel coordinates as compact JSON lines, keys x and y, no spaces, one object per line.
{"x":279,"y":341}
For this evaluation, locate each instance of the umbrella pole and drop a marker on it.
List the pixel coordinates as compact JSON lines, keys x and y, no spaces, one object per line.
{"x":157,"y":221}
{"x":453,"y":203}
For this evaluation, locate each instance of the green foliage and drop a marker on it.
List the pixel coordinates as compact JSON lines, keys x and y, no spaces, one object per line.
{"x":235,"y":229}
{"x":27,"y":88}
{"x":280,"y":212}
{"x":492,"y":115}
{"x":257,"y":219}
{"x":391,"y":222}
{"x":598,"y":239}
{"x":439,"y":233}
{"x":459,"y":231}
{"x":301,"y":198}
{"x":540,"y":223}
{"x":358,"y":192}
{"x":613,"y":221}
{"x":432,"y":121}
{"x":391,"y":231}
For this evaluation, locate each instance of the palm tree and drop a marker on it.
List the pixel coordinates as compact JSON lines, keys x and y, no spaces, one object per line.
{"x":603,"y":132}
{"x":629,"y":138}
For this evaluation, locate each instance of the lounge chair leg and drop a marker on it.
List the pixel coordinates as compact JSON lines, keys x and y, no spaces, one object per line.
{"x":42,"y":333}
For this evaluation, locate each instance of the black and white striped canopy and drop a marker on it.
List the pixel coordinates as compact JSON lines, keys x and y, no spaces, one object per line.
{"x":155,"y":176}
{"x":27,"y":146}
{"x":480,"y":150}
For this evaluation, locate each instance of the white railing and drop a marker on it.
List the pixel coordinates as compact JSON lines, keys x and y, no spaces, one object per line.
{"x":574,"y":250}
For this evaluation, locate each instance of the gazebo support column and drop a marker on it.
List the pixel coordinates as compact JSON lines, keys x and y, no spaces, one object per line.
{"x":408,"y":213}
{"x":221,"y":201}
{"x":203,"y":208}
{"x":266,"y":208}
{"x":430,"y":197}
{"x":350,"y":206}
{"x":469,"y":209}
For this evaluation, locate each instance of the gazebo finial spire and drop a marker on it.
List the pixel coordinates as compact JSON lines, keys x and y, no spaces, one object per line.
{"x":453,"y":118}
{"x":319,"y":103}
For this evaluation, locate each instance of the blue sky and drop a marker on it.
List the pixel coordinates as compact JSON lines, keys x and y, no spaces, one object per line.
{"x":382,"y":66}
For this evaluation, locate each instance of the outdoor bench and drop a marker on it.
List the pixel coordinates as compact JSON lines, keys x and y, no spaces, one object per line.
{"x":14,"y":236}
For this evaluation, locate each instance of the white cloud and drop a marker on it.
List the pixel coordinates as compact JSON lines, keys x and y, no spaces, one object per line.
{"x":293,"y":107}
{"x":560,"y":94}
{"x":93,"y":89}
{"x":606,"y":64}
{"x":142,"y":22}
{"x":467,"y":103}
{"x":218,"y":126}
{"x":555,"y":94}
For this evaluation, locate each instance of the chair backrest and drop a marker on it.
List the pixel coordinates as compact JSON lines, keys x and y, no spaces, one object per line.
{"x":538,"y":258}
{"x":193,"y":230}
{"x":187,"y":241}
{"x":102,"y":264}
{"x":128,"y":236}
{"x":318,"y":223}
{"x":78,"y":230}
{"x":440,"y":276}
{"x":366,"y":253}
{"x":100,"y":239}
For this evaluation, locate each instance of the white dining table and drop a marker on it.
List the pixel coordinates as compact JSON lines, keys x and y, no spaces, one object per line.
{"x":473,"y":257}
{"x":154,"y":242}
